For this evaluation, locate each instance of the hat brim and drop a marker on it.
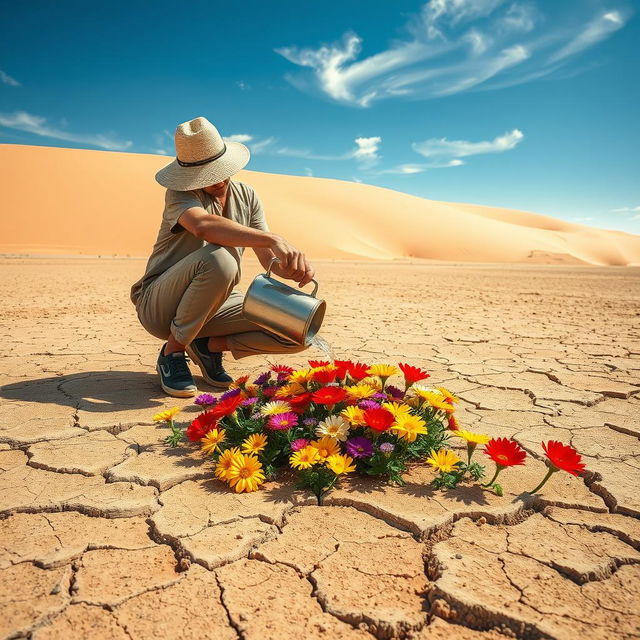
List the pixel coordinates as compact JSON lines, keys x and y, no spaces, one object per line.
{"x":178,"y":178}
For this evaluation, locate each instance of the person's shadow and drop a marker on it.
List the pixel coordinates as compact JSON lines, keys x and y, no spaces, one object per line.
{"x":94,"y":391}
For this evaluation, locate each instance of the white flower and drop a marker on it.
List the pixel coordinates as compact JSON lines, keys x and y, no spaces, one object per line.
{"x":333,"y":426}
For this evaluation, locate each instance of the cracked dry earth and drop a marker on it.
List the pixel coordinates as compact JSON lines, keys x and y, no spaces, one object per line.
{"x":108,"y":534}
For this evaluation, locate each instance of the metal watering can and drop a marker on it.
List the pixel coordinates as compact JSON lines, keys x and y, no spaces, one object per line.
{"x":284,"y":310}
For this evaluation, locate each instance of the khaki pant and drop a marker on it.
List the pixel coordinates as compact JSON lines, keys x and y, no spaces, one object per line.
{"x":196,"y":298}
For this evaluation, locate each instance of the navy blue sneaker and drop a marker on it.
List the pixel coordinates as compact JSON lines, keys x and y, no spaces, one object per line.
{"x":175,"y":377}
{"x":210,"y":363}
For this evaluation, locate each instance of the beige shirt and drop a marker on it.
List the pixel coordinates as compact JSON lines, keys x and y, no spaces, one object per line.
{"x":174,"y":242}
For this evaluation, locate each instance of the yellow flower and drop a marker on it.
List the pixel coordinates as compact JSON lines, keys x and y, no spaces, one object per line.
{"x":245,"y":473}
{"x":372,"y":381}
{"x":362,"y":391}
{"x":433,"y":397}
{"x":224,"y":462}
{"x":301,"y":376}
{"x":340,"y":464}
{"x":250,"y":391}
{"x":326,"y":447}
{"x":443,"y":460}
{"x":353,"y":415}
{"x":273,"y":408}
{"x":448,"y":396}
{"x":304,"y":458}
{"x":397,"y":409}
{"x":382,"y":370}
{"x":472,"y":438}
{"x":409,"y":426}
{"x":167,"y":415}
{"x":291,"y":389}
{"x":211,"y":441}
{"x":255,"y":443}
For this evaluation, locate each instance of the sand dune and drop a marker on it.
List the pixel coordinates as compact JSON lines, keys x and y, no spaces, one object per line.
{"x":72,"y":201}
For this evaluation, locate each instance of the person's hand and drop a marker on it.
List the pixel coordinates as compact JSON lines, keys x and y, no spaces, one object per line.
{"x":293,"y":264}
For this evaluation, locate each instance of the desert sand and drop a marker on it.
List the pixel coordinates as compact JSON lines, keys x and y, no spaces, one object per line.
{"x":106,"y":533}
{"x":73,"y":201}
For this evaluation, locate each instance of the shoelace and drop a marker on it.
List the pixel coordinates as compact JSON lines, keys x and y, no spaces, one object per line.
{"x":179,"y":366}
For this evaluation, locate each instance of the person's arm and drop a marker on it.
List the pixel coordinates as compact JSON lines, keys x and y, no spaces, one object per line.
{"x":228,"y":233}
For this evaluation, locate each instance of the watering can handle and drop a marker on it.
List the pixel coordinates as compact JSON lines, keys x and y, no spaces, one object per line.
{"x":276,"y":259}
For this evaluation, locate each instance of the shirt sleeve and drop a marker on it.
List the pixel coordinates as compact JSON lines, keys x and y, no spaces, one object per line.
{"x":176,"y":203}
{"x":258,"y":219}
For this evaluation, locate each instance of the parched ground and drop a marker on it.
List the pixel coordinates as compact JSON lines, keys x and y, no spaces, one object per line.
{"x":106,"y":533}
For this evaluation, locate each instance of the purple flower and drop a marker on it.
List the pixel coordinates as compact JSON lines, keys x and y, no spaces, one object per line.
{"x":309,"y":422}
{"x":263,"y":378}
{"x":386,"y":447}
{"x":395,"y":392}
{"x":282,"y":421}
{"x":247,"y":402}
{"x":298,"y":444}
{"x":380,"y":396}
{"x":368,"y":404}
{"x":205,"y":400}
{"x":255,"y":416}
{"x":282,"y":376}
{"x":230,"y":393}
{"x":359,"y":447}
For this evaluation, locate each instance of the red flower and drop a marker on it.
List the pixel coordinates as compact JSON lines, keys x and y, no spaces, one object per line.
{"x":227,"y":406}
{"x":325,"y":376}
{"x":563,"y":456}
{"x":358,"y":371}
{"x":452,"y":422}
{"x":318,"y":363}
{"x":505,"y":452}
{"x":281,"y":368}
{"x":199,"y":428}
{"x":329,"y":395}
{"x":343,"y":367}
{"x":412,"y":374}
{"x":300,"y":402}
{"x":242,"y":381}
{"x":378,"y":419}
{"x":269,"y":392}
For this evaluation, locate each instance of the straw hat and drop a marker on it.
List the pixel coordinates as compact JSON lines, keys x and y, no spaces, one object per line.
{"x":203,"y":157}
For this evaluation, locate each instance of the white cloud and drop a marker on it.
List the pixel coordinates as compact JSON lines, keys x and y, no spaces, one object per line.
{"x":308,"y":172}
{"x":409,"y":169}
{"x":37,"y":125}
{"x":441,"y":147}
{"x":453,"y":46}
{"x":583,"y":219}
{"x":160,"y":152}
{"x":258,"y":147}
{"x":5,"y":78}
{"x":238,"y":137}
{"x":597,"y":30}
{"x":624,"y":210}
{"x":243,"y":85}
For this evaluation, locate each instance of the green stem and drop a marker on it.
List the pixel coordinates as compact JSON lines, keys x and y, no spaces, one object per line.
{"x":471,"y":447}
{"x":551,"y":471}
{"x":495,"y":475}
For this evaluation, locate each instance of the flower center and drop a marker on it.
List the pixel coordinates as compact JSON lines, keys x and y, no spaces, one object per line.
{"x":502,"y":457}
{"x":245,"y":473}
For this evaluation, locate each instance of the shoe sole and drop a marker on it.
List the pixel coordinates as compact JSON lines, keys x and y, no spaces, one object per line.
{"x":203,"y":370}
{"x":176,"y":393}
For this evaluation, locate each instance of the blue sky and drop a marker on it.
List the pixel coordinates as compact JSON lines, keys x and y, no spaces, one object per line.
{"x":515,"y":103}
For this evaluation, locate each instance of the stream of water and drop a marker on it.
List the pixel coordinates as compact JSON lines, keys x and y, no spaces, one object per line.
{"x":320,"y":343}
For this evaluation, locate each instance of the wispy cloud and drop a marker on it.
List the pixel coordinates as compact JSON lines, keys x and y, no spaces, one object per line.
{"x":443,"y":153}
{"x":441,"y":147}
{"x":599,"y":28}
{"x":37,"y":125}
{"x":5,"y":78}
{"x":308,"y":172}
{"x":238,"y":137}
{"x":624,"y":210}
{"x":452,"y":46}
